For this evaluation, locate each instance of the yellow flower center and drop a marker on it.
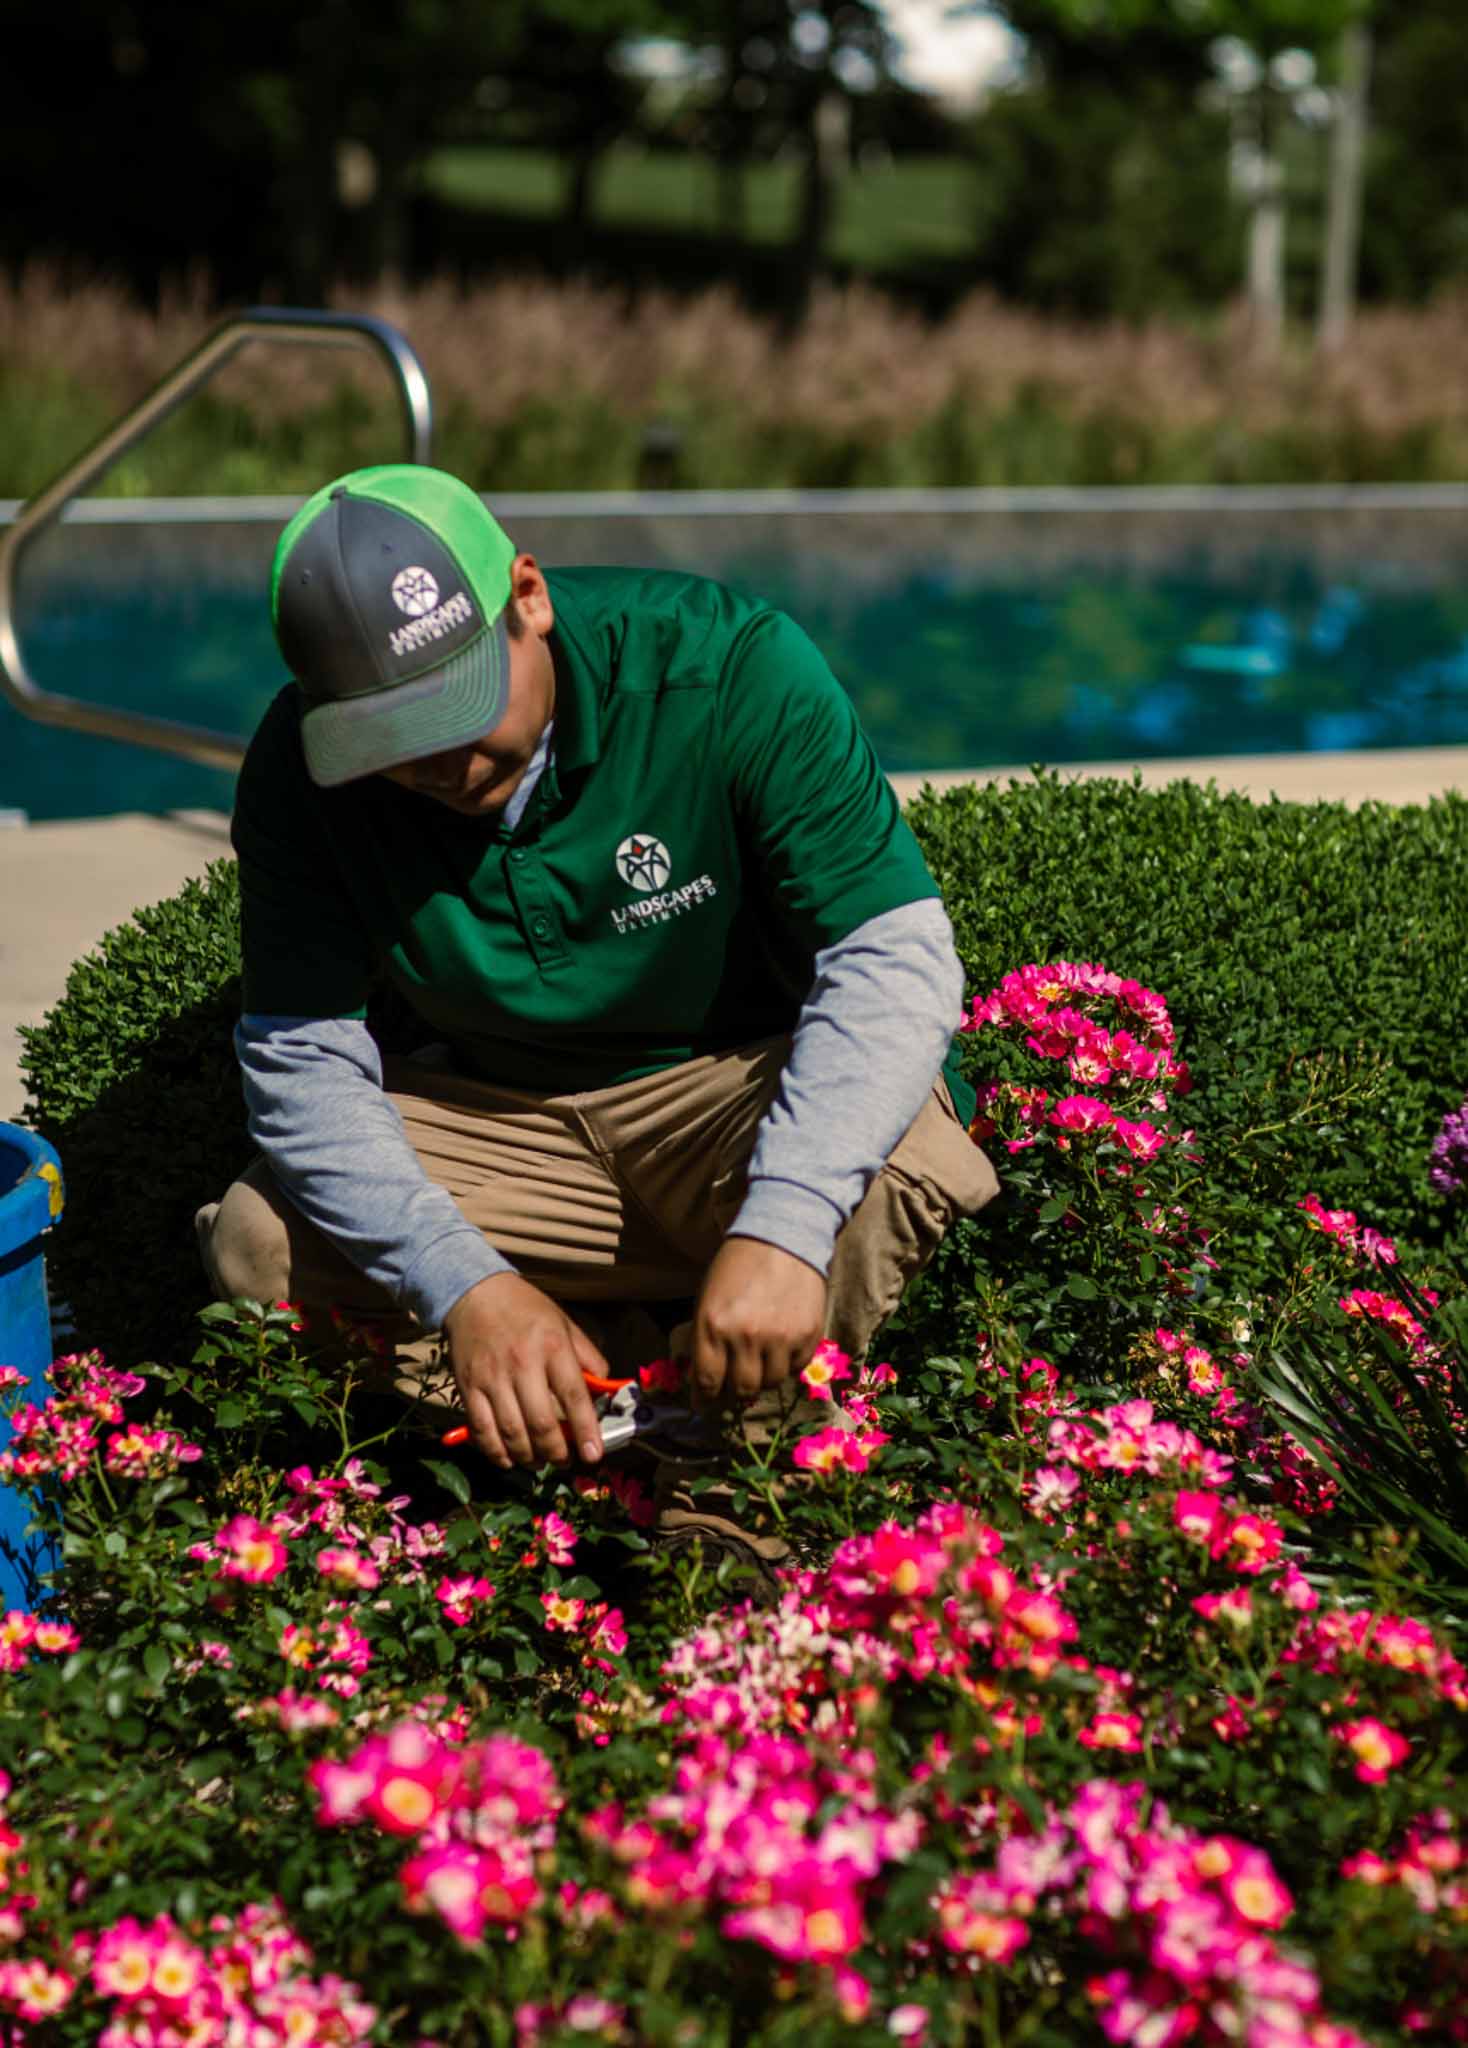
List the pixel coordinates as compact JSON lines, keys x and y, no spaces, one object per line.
{"x":128,"y":1973}
{"x":823,"y":1931}
{"x":407,"y":1801}
{"x":1255,"y":1898}
{"x":984,"y":1936}
{"x":175,"y":1976}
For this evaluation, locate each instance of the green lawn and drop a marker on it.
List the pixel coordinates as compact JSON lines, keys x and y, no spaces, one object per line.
{"x":904,"y":211}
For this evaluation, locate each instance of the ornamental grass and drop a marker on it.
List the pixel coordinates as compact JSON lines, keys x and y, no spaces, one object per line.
{"x":553,"y":386}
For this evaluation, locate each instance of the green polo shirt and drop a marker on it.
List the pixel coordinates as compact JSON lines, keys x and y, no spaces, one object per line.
{"x":712,"y":816}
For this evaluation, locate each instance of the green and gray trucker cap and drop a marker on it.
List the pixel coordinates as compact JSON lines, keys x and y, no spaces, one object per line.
{"x":388,"y":597}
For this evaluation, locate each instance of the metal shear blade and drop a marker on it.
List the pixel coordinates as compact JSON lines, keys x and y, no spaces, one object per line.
{"x":669,"y":1429}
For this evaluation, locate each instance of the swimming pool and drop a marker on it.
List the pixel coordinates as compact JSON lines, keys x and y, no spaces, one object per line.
{"x":973,"y":628}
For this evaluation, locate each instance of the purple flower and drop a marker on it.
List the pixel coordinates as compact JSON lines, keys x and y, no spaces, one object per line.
{"x":1448,"y":1168}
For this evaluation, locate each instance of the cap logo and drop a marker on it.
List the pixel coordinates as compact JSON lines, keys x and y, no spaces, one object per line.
{"x":455,"y":611}
{"x":643,"y":862}
{"x":414,"y":592}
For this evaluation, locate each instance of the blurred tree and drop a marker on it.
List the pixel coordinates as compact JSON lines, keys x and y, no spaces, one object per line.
{"x":559,"y":86}
{"x":265,"y":142}
{"x":392,"y":75}
{"x":783,"y":80}
{"x":731,"y":104}
{"x":1167,"y":51}
{"x":1415,"y":221}
{"x":1101,"y":197}
{"x":1102,"y":176}
{"x":275,"y":145}
{"x":1340,"y":256}
{"x":142,"y":146}
{"x":830,"y":50}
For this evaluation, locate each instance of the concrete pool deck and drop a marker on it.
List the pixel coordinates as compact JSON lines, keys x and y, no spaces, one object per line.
{"x":64,"y":884}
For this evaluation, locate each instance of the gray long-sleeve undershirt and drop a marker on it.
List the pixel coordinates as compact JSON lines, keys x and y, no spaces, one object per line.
{"x":868,"y":1043}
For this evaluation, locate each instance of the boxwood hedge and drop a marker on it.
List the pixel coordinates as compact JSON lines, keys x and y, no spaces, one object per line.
{"x":132,"y":1076}
{"x":1313,"y":958}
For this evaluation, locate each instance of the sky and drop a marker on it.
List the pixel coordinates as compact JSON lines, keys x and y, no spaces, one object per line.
{"x":957,"y":58}
{"x":954,"y":49}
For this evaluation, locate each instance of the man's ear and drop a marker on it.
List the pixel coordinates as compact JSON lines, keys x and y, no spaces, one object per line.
{"x":528,"y":588}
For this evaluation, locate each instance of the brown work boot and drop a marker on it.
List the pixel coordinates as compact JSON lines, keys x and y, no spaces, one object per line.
{"x":421,"y":1374}
{"x":758,"y":1559}
{"x":749,"y":1533}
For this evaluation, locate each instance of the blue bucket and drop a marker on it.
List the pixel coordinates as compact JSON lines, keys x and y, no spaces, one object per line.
{"x":31,"y":1200}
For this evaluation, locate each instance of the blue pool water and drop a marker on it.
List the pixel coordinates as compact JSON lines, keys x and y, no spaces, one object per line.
{"x":972,"y":629}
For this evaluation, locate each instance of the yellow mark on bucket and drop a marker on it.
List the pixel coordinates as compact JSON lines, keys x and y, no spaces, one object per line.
{"x":52,"y":1178}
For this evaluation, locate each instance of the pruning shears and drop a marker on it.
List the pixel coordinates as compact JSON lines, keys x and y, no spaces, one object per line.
{"x":628,"y":1414}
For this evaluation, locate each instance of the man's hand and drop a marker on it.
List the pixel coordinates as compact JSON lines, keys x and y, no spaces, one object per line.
{"x":517,"y":1358}
{"x":761,"y":1313}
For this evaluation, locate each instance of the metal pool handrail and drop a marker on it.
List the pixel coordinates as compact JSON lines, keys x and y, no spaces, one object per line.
{"x":256,"y":323}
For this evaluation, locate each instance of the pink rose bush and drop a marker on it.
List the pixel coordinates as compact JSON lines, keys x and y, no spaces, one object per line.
{"x":1341,"y":1227}
{"x":21,"y":1634}
{"x":60,"y":1439}
{"x":1099,"y":1025}
{"x":478,"y":1814}
{"x":1089,"y":1706}
{"x":142,"y":1985}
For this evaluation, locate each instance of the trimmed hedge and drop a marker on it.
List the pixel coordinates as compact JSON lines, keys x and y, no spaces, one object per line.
{"x":132,"y":1076}
{"x":1312,"y":958}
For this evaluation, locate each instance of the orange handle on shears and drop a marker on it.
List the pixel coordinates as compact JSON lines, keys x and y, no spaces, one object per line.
{"x":595,"y":1384}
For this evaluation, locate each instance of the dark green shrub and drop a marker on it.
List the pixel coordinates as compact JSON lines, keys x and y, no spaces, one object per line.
{"x":132,"y":1077}
{"x":1311,"y":957}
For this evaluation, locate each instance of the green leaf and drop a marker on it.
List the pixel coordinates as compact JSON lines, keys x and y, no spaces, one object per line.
{"x":210,"y":1764}
{"x":229,"y":1414}
{"x":157,"y":1663}
{"x":1054,"y":1209}
{"x":449,"y":1477}
{"x":1311,"y":1772}
{"x":1080,"y":1287}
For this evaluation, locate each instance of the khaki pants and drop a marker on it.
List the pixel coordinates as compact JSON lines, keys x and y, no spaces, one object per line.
{"x":615,"y":1195}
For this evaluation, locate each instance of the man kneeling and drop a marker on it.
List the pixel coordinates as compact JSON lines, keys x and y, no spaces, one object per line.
{"x":617,"y":837}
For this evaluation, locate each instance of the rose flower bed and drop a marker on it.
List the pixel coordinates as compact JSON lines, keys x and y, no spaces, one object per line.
{"x":1108,"y":1701}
